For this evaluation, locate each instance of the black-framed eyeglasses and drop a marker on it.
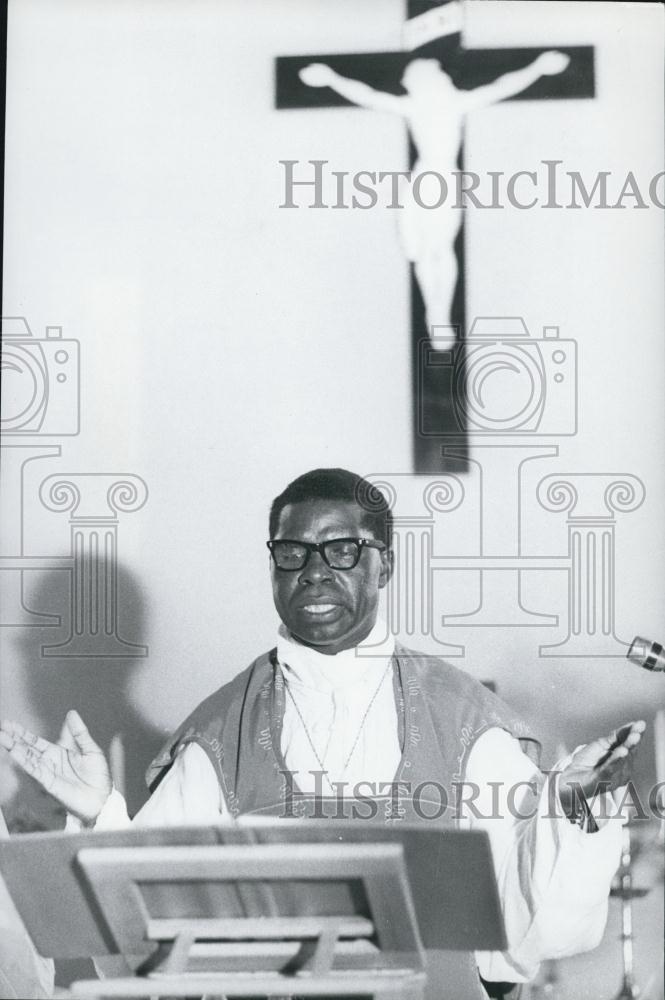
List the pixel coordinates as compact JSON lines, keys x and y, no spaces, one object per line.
{"x":338,"y":553}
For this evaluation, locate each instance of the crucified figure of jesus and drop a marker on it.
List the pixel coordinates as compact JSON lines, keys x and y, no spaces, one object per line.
{"x":433,"y":109}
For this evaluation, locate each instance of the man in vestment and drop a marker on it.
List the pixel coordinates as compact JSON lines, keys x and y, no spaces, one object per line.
{"x":322,"y":723}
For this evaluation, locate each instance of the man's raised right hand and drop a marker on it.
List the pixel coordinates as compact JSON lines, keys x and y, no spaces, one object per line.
{"x":74,"y":769}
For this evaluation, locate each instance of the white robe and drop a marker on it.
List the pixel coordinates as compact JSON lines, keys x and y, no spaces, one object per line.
{"x":553,"y":877}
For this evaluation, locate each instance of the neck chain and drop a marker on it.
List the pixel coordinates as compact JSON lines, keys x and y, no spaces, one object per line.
{"x":321,"y":760}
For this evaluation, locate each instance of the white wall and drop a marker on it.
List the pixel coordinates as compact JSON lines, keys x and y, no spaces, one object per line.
{"x":142,"y":192}
{"x":141,"y":214}
{"x":142,"y":185}
{"x":598,"y":276}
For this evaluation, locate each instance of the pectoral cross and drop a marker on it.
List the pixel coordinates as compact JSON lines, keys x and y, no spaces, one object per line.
{"x":434,"y":30}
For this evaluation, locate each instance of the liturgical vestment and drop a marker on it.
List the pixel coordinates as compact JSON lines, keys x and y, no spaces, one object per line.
{"x":412,"y":723}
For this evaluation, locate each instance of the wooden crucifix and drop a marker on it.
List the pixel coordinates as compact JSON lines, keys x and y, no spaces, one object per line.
{"x":475,"y":77}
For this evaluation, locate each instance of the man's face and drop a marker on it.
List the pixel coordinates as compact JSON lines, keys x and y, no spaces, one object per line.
{"x":329,"y":609}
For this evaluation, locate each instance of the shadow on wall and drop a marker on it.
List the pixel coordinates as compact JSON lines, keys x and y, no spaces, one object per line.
{"x":99,"y":688}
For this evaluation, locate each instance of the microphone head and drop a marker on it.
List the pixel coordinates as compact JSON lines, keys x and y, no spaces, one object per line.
{"x":646,"y":653}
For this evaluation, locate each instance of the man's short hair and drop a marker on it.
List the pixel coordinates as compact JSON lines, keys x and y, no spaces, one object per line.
{"x":338,"y":484}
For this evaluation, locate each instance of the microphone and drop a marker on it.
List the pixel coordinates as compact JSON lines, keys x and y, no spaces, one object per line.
{"x":646,"y":653}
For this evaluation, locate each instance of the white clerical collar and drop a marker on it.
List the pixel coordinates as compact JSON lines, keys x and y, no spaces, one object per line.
{"x":361,"y":664}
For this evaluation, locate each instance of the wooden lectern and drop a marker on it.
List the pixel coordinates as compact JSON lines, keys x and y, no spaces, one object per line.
{"x":276,"y":909}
